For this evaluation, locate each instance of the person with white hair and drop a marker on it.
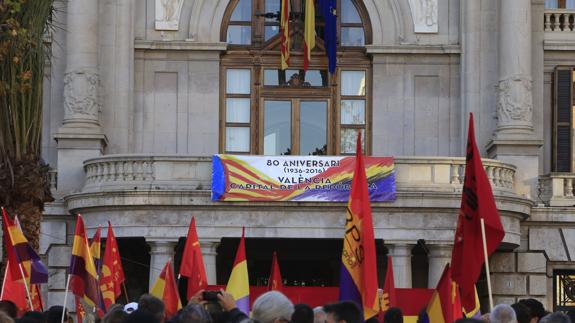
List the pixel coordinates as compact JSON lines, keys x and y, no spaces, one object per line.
{"x":318,"y":315}
{"x":272,"y":307}
{"x":556,"y":317}
{"x":502,"y":313}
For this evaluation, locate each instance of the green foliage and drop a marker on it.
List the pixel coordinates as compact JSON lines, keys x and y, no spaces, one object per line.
{"x":23,"y":56}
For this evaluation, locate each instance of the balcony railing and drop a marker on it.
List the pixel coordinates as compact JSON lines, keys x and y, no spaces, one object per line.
{"x":557,"y":189}
{"x":139,"y":172}
{"x":559,"y":20}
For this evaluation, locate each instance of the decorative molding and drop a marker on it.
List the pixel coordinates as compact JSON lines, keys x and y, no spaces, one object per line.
{"x":168,"y":14}
{"x":424,"y":14}
{"x":81,"y":99}
{"x":514,"y":102}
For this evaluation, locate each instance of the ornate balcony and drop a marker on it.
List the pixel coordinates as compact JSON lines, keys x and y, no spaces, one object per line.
{"x":559,"y":29}
{"x":557,"y":189}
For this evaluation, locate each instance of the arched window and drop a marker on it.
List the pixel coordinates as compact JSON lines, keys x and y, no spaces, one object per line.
{"x":269,"y":111}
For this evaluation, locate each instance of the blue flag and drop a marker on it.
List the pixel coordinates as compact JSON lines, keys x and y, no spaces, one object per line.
{"x":328,"y":10}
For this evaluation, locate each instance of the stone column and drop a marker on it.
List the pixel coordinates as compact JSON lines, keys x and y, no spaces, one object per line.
{"x":209,"y":253}
{"x":401,"y":258}
{"x":160,"y":252}
{"x":439,"y":256}
{"x":515,"y":140}
{"x":80,"y":137}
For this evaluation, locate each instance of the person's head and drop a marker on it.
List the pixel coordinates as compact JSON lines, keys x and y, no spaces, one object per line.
{"x":342,"y":312}
{"x":302,"y":314}
{"x":9,"y":308}
{"x":536,"y":307}
{"x":33,"y":317}
{"x":502,"y":313}
{"x":393,"y":315}
{"x":318,"y":314}
{"x":522,"y":313}
{"x":54,"y":314}
{"x":115,"y":315}
{"x":272,"y":307}
{"x":556,"y":317}
{"x":5,"y":318}
{"x":194,"y":313}
{"x":130,"y":307}
{"x":152,"y":305}
{"x":141,"y":316}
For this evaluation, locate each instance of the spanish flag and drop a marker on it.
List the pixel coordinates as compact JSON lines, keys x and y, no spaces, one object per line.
{"x":358,"y":278}
{"x":275,"y":281}
{"x":165,"y":289}
{"x":25,"y":264}
{"x":284,"y":32}
{"x":444,"y":306}
{"x":192,"y":265}
{"x":112,"y":275}
{"x":309,"y":32}
{"x":82,"y":271}
{"x":239,"y":282}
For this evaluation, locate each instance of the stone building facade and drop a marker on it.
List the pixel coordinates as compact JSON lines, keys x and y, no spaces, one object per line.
{"x":140,"y":93}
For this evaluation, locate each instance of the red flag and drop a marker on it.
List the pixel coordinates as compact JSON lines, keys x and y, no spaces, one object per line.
{"x":192,"y":265}
{"x":389,"y":297}
{"x":14,"y":290}
{"x":275,"y":281}
{"x":477,"y":203}
{"x":112,"y":275}
{"x":80,"y":311}
{"x":36,"y":296}
{"x":165,"y":289}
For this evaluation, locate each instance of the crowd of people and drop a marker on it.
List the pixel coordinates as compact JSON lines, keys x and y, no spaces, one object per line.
{"x":270,"y":307}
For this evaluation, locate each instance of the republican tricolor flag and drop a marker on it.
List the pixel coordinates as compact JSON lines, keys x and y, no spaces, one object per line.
{"x":358,"y":278}
{"x":82,"y":271}
{"x":239,"y":283}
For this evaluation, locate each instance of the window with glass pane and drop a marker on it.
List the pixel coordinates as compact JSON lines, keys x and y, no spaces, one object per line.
{"x":238,"y":110}
{"x":272,"y":26}
{"x":277,"y":128}
{"x":352,"y":109}
{"x":313,"y":128}
{"x":351,"y":33}
{"x":239,"y":29}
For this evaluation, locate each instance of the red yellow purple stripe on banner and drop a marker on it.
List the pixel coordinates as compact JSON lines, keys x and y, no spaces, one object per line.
{"x":298,"y":178}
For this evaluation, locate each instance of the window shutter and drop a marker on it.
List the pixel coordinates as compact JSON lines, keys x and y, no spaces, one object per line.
{"x":562,"y":142}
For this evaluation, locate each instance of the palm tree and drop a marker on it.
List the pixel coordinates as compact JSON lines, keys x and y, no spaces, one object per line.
{"x":23,"y":55}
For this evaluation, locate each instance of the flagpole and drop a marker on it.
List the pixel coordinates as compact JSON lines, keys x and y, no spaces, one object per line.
{"x":4,"y":281}
{"x":26,"y":286}
{"x":486,"y":264}
{"x":65,"y":298}
{"x":125,"y":292}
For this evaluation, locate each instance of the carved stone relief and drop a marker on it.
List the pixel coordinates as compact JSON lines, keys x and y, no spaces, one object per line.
{"x":424,"y":14}
{"x":514,"y":102}
{"x":81,"y":95}
{"x":168,"y":14}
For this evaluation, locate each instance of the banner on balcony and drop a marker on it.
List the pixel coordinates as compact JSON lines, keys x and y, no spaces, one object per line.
{"x":297,"y":178}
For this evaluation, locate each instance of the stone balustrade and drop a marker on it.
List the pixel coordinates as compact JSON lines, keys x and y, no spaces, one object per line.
{"x":559,"y":20}
{"x":53,"y":180}
{"x":140,"y":172}
{"x":557,"y":189}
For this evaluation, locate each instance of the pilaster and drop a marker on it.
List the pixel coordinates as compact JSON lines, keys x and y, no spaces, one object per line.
{"x":401,"y":258}
{"x":209,"y":252}
{"x":439,"y":256}
{"x":160,"y":252}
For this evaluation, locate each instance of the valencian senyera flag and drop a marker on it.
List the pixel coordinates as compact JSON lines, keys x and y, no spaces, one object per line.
{"x":165,"y":289}
{"x":477,"y":203}
{"x":192,"y":265}
{"x":25,"y":264}
{"x":112,"y":275}
{"x":238,"y":283}
{"x":358,"y":278}
{"x":285,"y":33}
{"x":309,"y":32}
{"x":82,"y":271}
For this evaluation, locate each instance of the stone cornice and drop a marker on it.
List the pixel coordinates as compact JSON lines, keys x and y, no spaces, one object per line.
{"x":413,"y":49}
{"x":178,"y":45}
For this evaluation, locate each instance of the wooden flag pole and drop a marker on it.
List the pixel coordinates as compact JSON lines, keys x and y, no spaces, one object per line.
{"x":486,"y":265}
{"x":65,"y":299}
{"x":26,"y":286}
{"x":125,"y":292}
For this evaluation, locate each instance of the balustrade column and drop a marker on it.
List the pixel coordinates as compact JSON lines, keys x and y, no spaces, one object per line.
{"x":439,"y":255}
{"x":209,"y":252}
{"x":401,"y":258}
{"x":160,"y":252}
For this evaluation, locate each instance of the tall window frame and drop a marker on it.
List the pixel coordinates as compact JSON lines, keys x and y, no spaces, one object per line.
{"x":563,"y":105}
{"x":263,"y":54}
